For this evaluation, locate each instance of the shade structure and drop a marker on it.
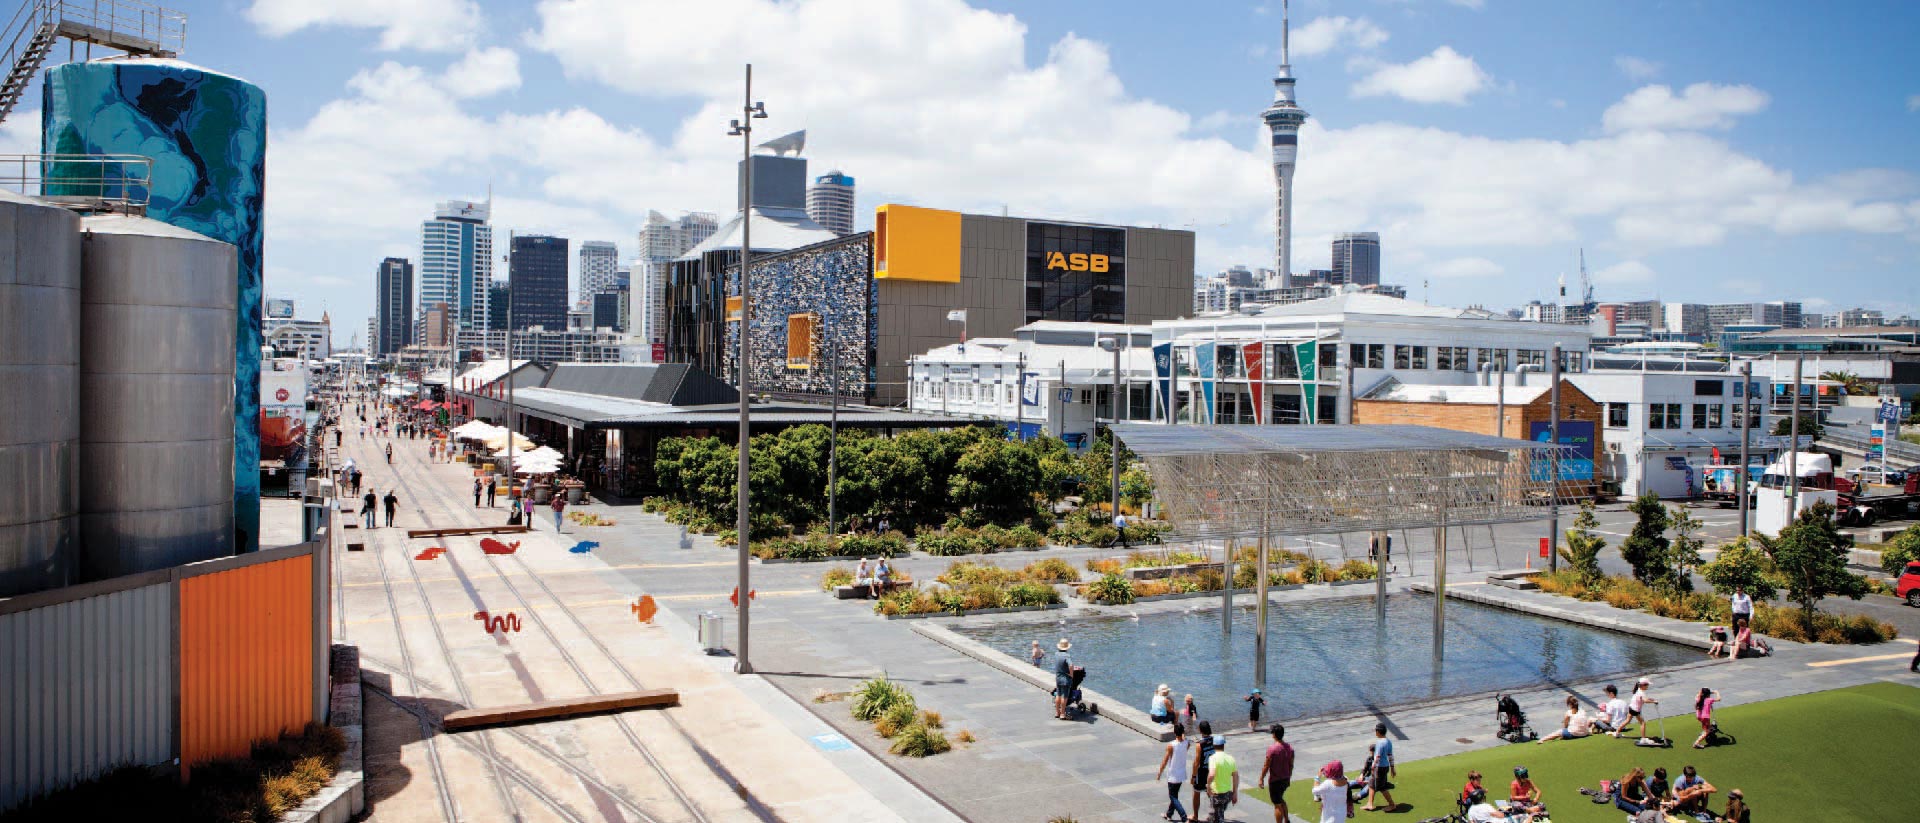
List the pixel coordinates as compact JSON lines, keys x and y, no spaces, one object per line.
{"x":477,"y":430}
{"x":1217,"y":482}
{"x":498,"y":443}
{"x":545,"y":453}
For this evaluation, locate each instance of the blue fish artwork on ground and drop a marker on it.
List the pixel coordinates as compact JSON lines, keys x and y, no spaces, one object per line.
{"x":584,"y":546}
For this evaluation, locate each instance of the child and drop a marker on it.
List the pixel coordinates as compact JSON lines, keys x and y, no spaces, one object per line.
{"x":1035,"y":654}
{"x":1637,"y":704}
{"x":1254,"y":702}
{"x":1718,"y":634}
{"x":1522,"y":795}
{"x":1191,"y":714}
{"x":1703,"y":710}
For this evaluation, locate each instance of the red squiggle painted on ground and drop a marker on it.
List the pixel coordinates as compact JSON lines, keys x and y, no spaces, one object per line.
{"x":509,"y":623}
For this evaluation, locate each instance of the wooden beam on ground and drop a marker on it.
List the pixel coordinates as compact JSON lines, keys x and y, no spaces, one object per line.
{"x":468,"y":530}
{"x":559,"y":709}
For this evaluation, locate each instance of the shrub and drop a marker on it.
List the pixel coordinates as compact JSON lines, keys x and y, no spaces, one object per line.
{"x":1103,"y":565}
{"x":1742,"y":564}
{"x":1050,"y":570}
{"x":1111,"y":589}
{"x":966,"y":736}
{"x":983,"y":596}
{"x":835,"y":577}
{"x":891,"y":544}
{"x":931,"y":719}
{"x":1700,"y":607}
{"x":964,"y":573}
{"x":874,"y":698}
{"x":1582,"y":549}
{"x":1032,"y":594}
{"x":907,"y":601}
{"x":918,"y":740}
{"x":897,"y":717}
{"x":1358,"y":570}
{"x":1904,"y":548}
{"x":965,"y":519}
{"x":1210,"y":580}
{"x":1025,"y":536}
{"x":952,"y":543}
{"x":1165,"y":557}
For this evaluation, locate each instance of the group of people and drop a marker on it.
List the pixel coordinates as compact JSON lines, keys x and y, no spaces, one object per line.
{"x":1653,"y":799}
{"x":1202,"y":765}
{"x":1616,"y":715}
{"x":876,"y":577}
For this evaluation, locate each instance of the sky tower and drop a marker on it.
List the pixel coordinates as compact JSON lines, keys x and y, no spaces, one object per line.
{"x":1284,"y":119}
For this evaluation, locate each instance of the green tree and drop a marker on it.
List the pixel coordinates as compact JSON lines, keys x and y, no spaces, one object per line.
{"x":1742,"y":564}
{"x":1809,"y":424}
{"x":1904,"y":548}
{"x":1855,"y":384}
{"x":1059,"y":469}
{"x":699,"y":471}
{"x":1582,"y":549}
{"x":996,"y":478}
{"x":1683,"y":554}
{"x":1646,"y":548}
{"x":1811,"y":560}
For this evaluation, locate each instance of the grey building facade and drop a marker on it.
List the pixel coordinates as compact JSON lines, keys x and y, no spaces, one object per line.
{"x":1356,"y":259}
{"x":537,"y":276}
{"x":393,"y":321}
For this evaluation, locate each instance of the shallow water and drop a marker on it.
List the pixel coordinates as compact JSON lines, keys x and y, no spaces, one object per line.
{"x":1329,"y":657}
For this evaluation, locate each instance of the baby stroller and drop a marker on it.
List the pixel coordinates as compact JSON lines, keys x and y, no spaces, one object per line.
{"x":1076,"y":702}
{"x":1512,"y":721}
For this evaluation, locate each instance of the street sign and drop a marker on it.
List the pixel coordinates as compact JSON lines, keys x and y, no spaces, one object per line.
{"x":1066,"y":395}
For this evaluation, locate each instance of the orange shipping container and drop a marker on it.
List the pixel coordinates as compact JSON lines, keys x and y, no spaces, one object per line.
{"x":246,"y":657}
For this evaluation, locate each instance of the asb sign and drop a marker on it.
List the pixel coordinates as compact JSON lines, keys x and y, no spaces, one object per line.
{"x":1078,"y":262}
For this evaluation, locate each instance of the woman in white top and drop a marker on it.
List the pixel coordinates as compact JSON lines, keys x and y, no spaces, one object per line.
{"x":1331,"y":791}
{"x":1161,"y":709}
{"x":1575,"y":723}
{"x":1173,"y":772}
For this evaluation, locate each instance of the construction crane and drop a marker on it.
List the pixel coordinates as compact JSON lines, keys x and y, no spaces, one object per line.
{"x":1586,"y":285}
{"x":131,"y":27}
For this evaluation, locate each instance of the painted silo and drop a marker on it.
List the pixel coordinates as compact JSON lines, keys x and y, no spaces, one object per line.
{"x":39,"y":393}
{"x":156,"y":396}
{"x":207,"y":134}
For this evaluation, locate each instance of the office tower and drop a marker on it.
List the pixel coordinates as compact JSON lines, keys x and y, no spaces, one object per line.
{"x":1283,"y":120}
{"x":1686,"y":318}
{"x":1356,"y":258}
{"x":537,"y":278}
{"x":394,"y":307}
{"x":456,"y":261}
{"x":608,"y":306}
{"x":498,"y":299}
{"x":598,"y":261}
{"x":830,"y":202}
{"x":663,"y":241}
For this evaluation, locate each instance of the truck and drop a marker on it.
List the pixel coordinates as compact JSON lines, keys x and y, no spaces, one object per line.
{"x":1722,"y":480}
{"x":1862,"y":503}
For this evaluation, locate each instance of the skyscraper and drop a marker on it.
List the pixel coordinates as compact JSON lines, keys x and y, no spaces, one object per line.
{"x":537,"y":278}
{"x":1284,"y":119}
{"x":497,"y":302}
{"x":663,"y":241}
{"x":394,"y":299}
{"x":598,"y":260}
{"x":830,"y":202}
{"x":456,"y":261}
{"x":1356,"y":258}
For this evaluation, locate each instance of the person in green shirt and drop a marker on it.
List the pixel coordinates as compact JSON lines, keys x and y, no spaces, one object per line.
{"x":1224,"y":778}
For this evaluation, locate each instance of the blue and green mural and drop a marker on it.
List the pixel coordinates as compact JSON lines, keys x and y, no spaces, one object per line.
{"x":207,"y":135}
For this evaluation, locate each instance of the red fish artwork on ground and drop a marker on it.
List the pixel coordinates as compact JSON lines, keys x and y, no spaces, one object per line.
{"x":509,"y":623}
{"x":492,"y":546}
{"x":432,"y":553}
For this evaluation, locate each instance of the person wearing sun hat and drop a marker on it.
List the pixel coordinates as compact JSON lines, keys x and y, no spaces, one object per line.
{"x":1062,"y":679}
{"x":1331,"y":791}
{"x":1160,"y":708}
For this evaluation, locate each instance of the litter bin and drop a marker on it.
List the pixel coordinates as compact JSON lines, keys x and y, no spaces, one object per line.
{"x":713,"y":629}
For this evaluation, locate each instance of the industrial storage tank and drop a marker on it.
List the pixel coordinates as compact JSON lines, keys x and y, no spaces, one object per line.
{"x":39,"y":393}
{"x":156,"y":396}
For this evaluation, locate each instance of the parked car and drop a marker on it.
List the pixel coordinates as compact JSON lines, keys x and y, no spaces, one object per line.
{"x":1909,"y":585}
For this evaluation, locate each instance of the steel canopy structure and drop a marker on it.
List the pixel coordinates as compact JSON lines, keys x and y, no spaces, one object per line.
{"x":1219,"y":482}
{"x":1263,"y":482}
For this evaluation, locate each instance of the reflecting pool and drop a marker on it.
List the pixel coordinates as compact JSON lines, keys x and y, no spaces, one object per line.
{"x":1328,"y":656}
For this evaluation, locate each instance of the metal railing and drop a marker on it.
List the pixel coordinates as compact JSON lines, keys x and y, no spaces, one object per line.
{"x":1898,"y":451}
{"x":88,"y":182}
{"x":157,"y":30}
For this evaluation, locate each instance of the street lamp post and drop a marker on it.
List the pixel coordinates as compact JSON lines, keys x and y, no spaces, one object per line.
{"x":743,"y":533}
{"x":1113,"y":414}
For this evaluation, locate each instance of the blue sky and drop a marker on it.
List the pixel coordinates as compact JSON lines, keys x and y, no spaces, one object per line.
{"x":1706,"y":151}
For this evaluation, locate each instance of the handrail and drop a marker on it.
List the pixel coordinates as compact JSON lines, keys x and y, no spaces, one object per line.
{"x":89,"y":182}
{"x":164,"y":27}
{"x":26,"y":20}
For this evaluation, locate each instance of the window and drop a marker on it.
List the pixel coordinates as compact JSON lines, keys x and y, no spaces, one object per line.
{"x":1530,"y":357}
{"x":1739,"y":389}
{"x":1367,"y":355}
{"x":1419,"y":357}
{"x":1282,"y":362}
{"x":1699,"y":415}
{"x":1329,"y":358}
{"x":1575,"y":361}
{"x":1453,"y":358}
{"x":1285,"y":409}
{"x":1183,"y":361}
{"x":1498,"y":357}
{"x":1409,"y":357}
{"x":1329,"y":409}
{"x":1709,"y":388}
{"x":802,"y":339}
{"x":1716,"y":416}
{"x":1617,"y":415}
{"x":1228,"y":358}
{"x":1663,"y":415}
{"x":1076,"y":273}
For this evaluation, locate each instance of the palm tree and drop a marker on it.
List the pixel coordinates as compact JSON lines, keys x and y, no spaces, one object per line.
{"x":1855,"y":384}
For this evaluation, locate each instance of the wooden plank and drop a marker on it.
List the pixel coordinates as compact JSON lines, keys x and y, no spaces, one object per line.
{"x":467,"y":531}
{"x":559,"y":709}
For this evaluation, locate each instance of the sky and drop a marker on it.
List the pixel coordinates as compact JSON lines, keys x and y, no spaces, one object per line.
{"x":1697,"y":150}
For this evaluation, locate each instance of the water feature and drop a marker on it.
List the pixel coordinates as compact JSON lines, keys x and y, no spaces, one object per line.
{"x":1327,"y":657}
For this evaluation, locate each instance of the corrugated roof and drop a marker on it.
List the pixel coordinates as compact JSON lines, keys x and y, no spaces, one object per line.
{"x":672,"y":384}
{"x":1463,"y":395}
{"x":773,"y":230}
{"x":602,"y":411}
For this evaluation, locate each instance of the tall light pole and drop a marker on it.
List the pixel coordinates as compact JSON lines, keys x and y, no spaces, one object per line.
{"x":1113,"y":410}
{"x":1553,"y":437}
{"x":743,"y":534}
{"x":1746,"y":437}
{"x":833,"y":427}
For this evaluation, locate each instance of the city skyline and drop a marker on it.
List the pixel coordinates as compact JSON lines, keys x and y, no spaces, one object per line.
{"x":1485,"y":142}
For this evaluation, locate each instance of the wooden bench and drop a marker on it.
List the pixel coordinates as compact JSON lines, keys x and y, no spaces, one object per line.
{"x":468,"y":530}
{"x":559,"y":709}
{"x":864,"y":590}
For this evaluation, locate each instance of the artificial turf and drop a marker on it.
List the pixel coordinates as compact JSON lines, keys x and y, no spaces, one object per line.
{"x":1838,"y":755}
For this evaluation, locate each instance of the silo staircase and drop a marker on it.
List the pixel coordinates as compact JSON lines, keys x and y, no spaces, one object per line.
{"x":131,"y":27}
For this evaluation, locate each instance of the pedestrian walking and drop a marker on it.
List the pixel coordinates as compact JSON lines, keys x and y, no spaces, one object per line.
{"x":1223,"y":779}
{"x":1383,"y":768}
{"x":1276,"y":772}
{"x":336,"y":438}
{"x":1120,"y":527}
{"x":477,"y":483}
{"x":1202,"y":752}
{"x":490,"y":492}
{"x":1190,"y":714}
{"x":526,"y":506}
{"x":389,"y":454}
{"x":559,"y":506}
{"x":393,"y":504}
{"x":1175,"y":756}
{"x":1741,"y":604}
{"x":1255,"y":701}
{"x":368,"y":505}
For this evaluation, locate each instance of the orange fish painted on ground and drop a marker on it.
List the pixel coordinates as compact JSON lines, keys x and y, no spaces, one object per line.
{"x":645,"y":608}
{"x":432,"y":553}
{"x":492,"y":546}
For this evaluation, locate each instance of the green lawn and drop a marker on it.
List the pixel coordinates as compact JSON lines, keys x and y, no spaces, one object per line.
{"x":1830,"y":756}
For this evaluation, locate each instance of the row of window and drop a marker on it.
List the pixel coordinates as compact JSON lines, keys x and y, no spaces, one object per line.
{"x":1451,"y":358}
{"x":1670,"y":416}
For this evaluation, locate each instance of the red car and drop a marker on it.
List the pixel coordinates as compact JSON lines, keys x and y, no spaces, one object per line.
{"x":1909,"y":586}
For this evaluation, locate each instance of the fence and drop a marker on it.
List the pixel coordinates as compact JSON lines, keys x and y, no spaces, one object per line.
{"x":168,"y":667}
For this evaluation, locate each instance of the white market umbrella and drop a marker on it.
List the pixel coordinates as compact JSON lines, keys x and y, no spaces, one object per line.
{"x":477,"y":430}
{"x":498,"y":443}
{"x":545,"y":453}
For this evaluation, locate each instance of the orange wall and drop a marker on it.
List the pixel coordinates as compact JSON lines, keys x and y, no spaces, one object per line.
{"x":246,"y":657}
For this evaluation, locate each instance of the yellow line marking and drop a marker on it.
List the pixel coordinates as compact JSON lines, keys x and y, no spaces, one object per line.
{"x":468,"y":615}
{"x":583,"y":570}
{"x":1850,"y":660}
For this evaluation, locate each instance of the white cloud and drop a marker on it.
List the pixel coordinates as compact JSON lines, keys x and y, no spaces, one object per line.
{"x":483,"y":72}
{"x":1465,"y":267}
{"x":1476,"y":5}
{"x":1636,"y":68}
{"x":1325,"y":34}
{"x":1445,"y":76}
{"x":428,"y":25}
{"x":1913,"y":103}
{"x":1699,"y":106}
{"x":1628,"y":272}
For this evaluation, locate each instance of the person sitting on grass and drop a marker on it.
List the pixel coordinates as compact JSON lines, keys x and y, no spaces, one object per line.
{"x":1657,"y":786}
{"x":1574,"y":724}
{"x":1691,"y":792}
{"x":1522,"y":795}
{"x":1473,"y":798}
{"x":1631,"y":795}
{"x":1737,"y":811}
{"x":1614,"y":713}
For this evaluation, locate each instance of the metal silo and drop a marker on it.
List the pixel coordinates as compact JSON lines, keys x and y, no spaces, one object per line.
{"x":39,"y":393}
{"x":156,"y":396}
